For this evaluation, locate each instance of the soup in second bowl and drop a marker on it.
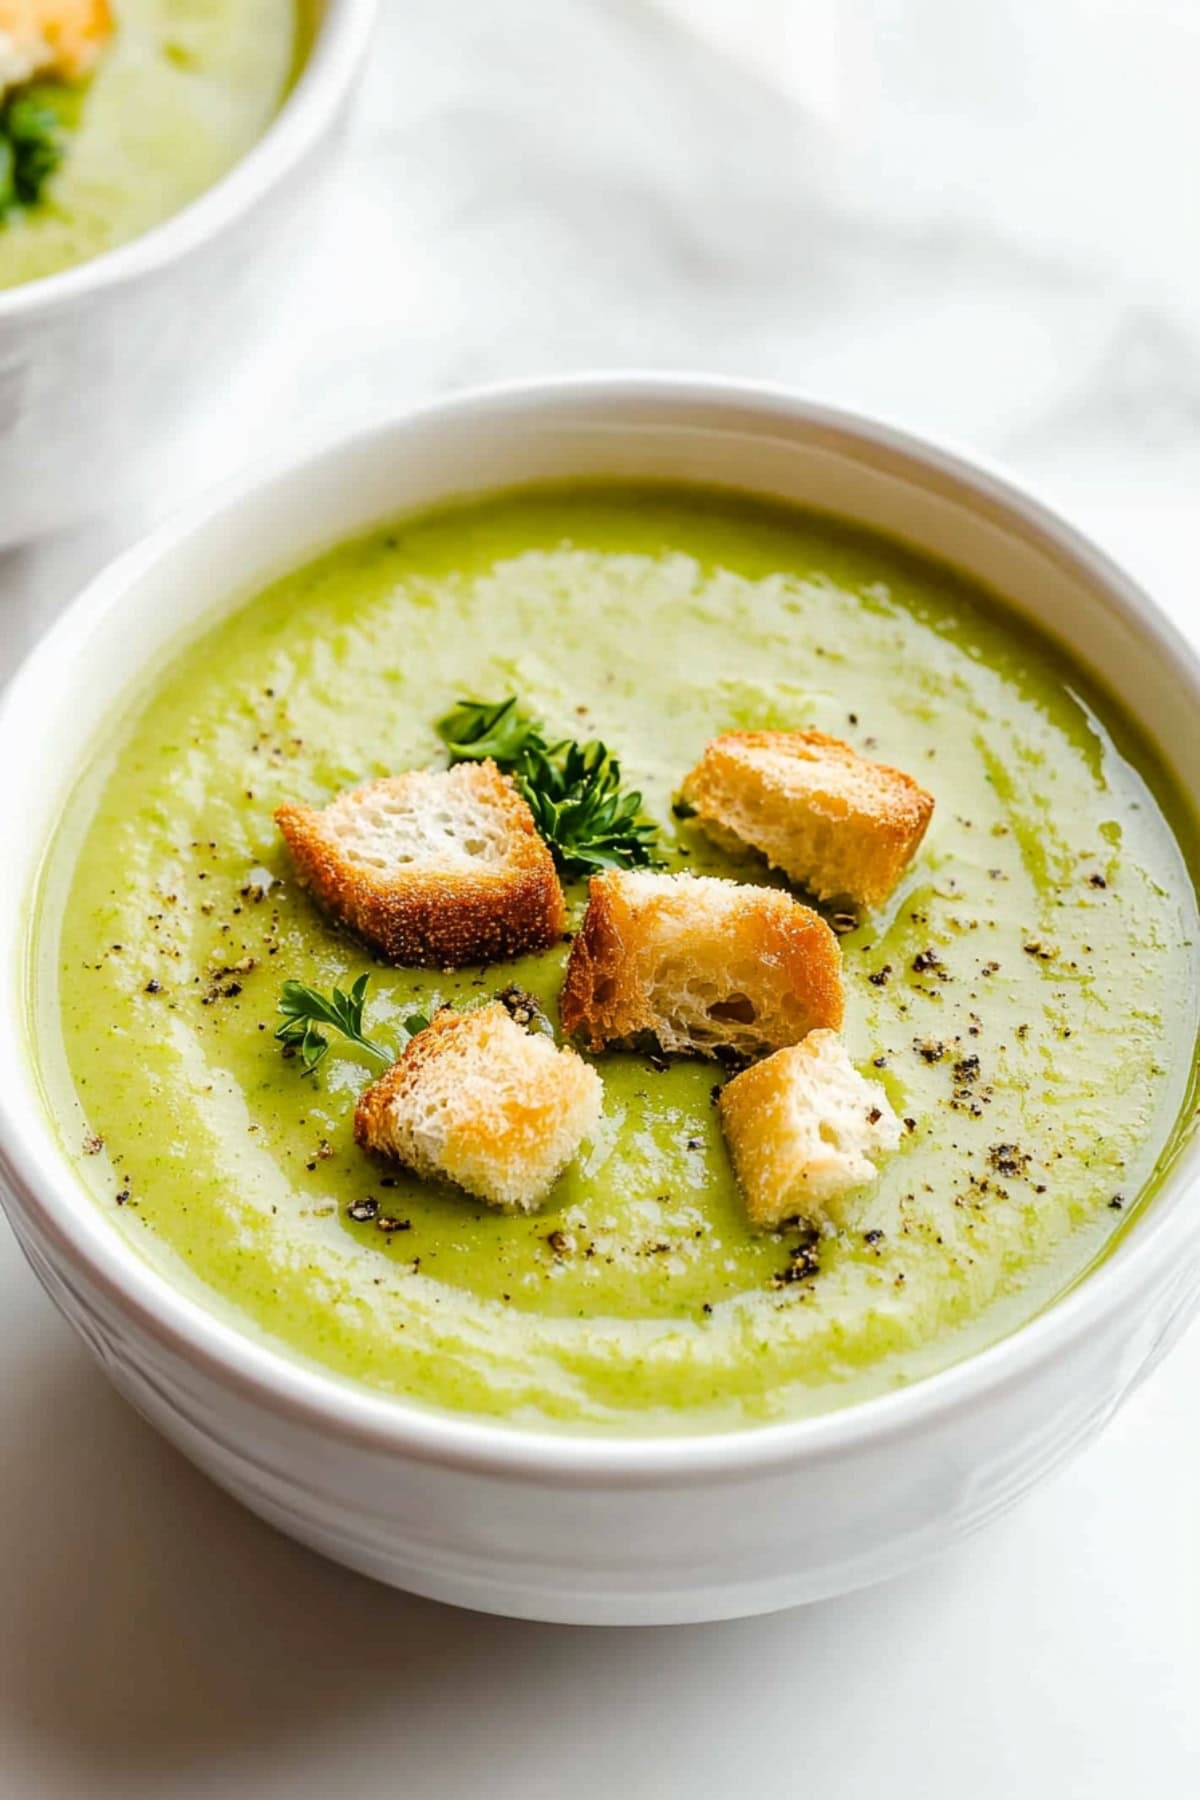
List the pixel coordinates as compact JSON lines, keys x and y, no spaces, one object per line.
{"x":142,"y":109}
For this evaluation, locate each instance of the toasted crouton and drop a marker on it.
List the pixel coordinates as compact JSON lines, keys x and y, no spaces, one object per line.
{"x":432,"y":869}
{"x":702,"y":965}
{"x":478,"y":1100}
{"x":59,"y":38}
{"x":844,"y":827}
{"x":802,"y":1127}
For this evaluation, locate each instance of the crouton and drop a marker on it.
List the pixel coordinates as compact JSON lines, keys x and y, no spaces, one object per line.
{"x":57,"y":38}
{"x":842,"y":826}
{"x":479,"y":1101}
{"x":432,"y":869}
{"x":701,"y":965}
{"x":802,"y":1127}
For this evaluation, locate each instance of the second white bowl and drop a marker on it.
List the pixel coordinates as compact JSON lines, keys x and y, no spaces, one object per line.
{"x":104,"y":367}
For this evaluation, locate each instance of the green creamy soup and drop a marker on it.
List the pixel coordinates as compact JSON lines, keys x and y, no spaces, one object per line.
{"x":178,"y":97}
{"x":1028,"y":998}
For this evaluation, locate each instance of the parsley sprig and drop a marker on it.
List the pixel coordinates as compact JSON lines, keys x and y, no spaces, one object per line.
{"x":574,"y":794}
{"x":31,"y":148}
{"x":573,"y":790}
{"x":305,"y":1010}
{"x":475,"y":729}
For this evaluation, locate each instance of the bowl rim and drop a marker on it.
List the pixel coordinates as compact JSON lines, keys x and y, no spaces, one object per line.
{"x":309,"y":108}
{"x":44,"y":1187}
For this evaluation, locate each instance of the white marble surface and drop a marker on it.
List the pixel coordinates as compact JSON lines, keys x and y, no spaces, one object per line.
{"x":985,"y":220}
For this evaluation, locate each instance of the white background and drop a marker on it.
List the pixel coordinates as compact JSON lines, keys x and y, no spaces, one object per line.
{"x":983,"y":218}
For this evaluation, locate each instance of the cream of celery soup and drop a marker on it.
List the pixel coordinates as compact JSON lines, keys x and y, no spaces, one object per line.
{"x":1027,"y":997}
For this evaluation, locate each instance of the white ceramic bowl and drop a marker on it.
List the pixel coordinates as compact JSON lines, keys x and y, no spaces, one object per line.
{"x":103,"y":367}
{"x":555,"y":1526}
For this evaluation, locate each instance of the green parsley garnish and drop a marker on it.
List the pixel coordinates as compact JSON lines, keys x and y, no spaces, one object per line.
{"x":475,"y":729}
{"x":574,"y":794}
{"x":31,"y":148}
{"x":305,"y":1010}
{"x":573,"y":790}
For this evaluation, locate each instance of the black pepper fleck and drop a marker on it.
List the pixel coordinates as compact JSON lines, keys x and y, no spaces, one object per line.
{"x":1008,"y":1159}
{"x":804,"y":1262}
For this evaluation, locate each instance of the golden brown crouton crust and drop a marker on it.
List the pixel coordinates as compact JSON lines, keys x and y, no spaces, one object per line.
{"x":802,"y":1127}
{"x":65,"y":37}
{"x":372,"y":1113}
{"x":477,"y":1100}
{"x":841,"y":825}
{"x":425,"y":916}
{"x":649,"y":945}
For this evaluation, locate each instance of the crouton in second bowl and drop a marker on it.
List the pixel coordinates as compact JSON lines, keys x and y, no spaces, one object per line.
{"x":699,"y":1503}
